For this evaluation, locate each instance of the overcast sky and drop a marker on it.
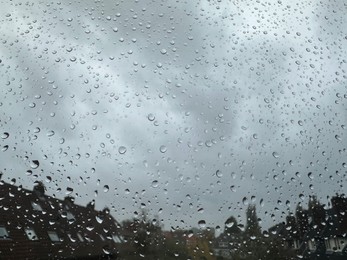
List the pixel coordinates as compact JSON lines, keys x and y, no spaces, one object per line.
{"x":190,"y":110}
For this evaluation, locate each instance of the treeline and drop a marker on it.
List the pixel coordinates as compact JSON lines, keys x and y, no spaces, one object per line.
{"x":145,"y":238}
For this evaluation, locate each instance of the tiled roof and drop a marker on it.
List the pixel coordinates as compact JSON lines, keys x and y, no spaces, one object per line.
{"x":80,"y":232}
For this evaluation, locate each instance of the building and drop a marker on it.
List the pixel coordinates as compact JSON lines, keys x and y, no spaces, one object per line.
{"x":36,"y":226}
{"x":317,"y":233}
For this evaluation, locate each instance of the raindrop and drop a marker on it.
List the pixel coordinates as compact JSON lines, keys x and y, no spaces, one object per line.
{"x":229,"y":224}
{"x":122,"y":149}
{"x":99,"y":219}
{"x":106,"y":188}
{"x":219,"y":174}
{"x":275,"y":155}
{"x":245,"y":201}
{"x":151,"y":117}
{"x":202,"y":223}
{"x":5,"y":135}
{"x":4,"y":148}
{"x":68,"y":190}
{"x":34,"y":164}
{"x":163,"y":149}
{"x":310,"y":175}
{"x":115,"y":29}
{"x":50,"y":133}
{"x":155,"y":184}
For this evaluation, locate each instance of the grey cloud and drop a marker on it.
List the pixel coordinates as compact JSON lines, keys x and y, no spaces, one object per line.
{"x":225,"y":98}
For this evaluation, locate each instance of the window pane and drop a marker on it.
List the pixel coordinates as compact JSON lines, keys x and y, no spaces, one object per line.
{"x":36,"y":206}
{"x":31,"y":234}
{"x":53,"y":236}
{"x":3,"y":233}
{"x":204,"y":129}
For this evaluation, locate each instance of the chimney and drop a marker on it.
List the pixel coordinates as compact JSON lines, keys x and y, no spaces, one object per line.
{"x":69,"y":201}
{"x":39,"y":189}
{"x":91,"y":205}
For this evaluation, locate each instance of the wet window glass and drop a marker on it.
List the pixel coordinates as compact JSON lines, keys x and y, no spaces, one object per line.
{"x":53,"y":236}
{"x":36,"y":206}
{"x":142,"y":129}
{"x":31,"y":234}
{"x":3,"y":233}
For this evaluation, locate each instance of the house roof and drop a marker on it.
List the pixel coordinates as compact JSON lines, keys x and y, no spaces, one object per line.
{"x":78,"y":230}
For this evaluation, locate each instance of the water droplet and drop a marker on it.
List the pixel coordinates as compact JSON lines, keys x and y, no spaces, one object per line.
{"x":115,"y":29}
{"x":155,"y":184}
{"x":202,"y":223}
{"x":50,"y":133}
{"x":5,"y":135}
{"x":151,"y":117}
{"x":99,"y":219}
{"x":163,"y":51}
{"x":163,"y":149}
{"x":106,"y":188}
{"x":229,"y":224}
{"x":28,"y":172}
{"x":69,"y":190}
{"x":275,"y":155}
{"x":310,"y":175}
{"x":122,"y":149}
{"x":34,"y":164}
{"x":4,"y":148}
{"x":245,"y":201}
{"x":219,"y":174}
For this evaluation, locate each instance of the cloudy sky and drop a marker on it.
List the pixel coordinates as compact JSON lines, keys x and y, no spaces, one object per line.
{"x":190,"y":110}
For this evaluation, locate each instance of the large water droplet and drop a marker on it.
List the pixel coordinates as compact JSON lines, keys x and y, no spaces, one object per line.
{"x":151,"y":117}
{"x":155,"y":184}
{"x":5,"y":135}
{"x":202,"y":223}
{"x":163,"y":149}
{"x":34,"y":164}
{"x":122,"y":149}
{"x":275,"y":155}
{"x":50,"y":133}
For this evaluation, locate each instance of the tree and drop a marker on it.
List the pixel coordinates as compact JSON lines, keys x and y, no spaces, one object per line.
{"x":231,"y":227}
{"x":252,"y":224}
{"x":144,"y":237}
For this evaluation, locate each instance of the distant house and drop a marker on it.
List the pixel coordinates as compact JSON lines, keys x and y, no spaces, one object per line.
{"x":318,"y":234}
{"x":36,"y":226}
{"x":222,"y":247}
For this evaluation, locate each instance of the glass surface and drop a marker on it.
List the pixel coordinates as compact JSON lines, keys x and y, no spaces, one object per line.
{"x":3,"y":233}
{"x":31,"y":234}
{"x":36,"y":206}
{"x":144,"y":129}
{"x":53,"y":236}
